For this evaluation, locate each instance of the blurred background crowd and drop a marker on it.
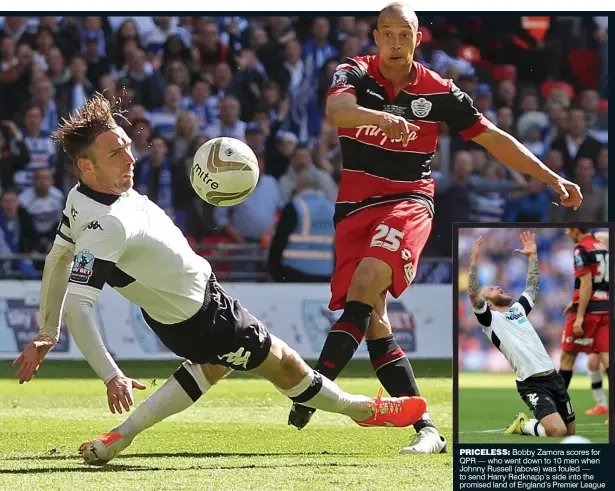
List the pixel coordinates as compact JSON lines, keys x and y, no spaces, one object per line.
{"x":263,"y":80}
{"x":499,"y":265}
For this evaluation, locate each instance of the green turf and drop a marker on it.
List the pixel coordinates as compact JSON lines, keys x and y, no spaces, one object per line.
{"x":489,"y":402}
{"x":235,"y":438}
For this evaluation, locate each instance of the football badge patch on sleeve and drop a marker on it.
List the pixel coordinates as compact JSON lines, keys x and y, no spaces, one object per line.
{"x":83,"y":267}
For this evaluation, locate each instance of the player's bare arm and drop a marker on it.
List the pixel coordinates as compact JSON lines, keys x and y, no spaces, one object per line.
{"x":53,"y":290}
{"x":515,"y":155}
{"x":478,"y":302}
{"x":343,"y":111}
{"x":532,"y":283}
{"x":585,"y":293}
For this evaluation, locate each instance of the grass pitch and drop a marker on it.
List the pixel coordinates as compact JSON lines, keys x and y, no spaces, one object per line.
{"x":234,"y":438}
{"x":489,"y":402}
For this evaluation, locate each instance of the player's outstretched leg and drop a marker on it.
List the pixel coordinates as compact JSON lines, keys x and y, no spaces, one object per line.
{"x":370,"y":279}
{"x":179,"y":392}
{"x":295,"y":379}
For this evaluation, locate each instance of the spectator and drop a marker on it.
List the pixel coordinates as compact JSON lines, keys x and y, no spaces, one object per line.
{"x":57,"y":71}
{"x":44,"y":42}
{"x":40,"y":146}
{"x":448,"y":57}
{"x":452,"y":202}
{"x":593,"y":208}
{"x":98,"y":65}
{"x":164,"y":118}
{"x":186,"y":131}
{"x":52,"y":111}
{"x":17,"y":235}
{"x":248,"y":82}
{"x":532,"y":140}
{"x":147,"y":84}
{"x":250,"y":220}
{"x":255,"y":138}
{"x":532,"y":207}
{"x":363,"y":30}
{"x":202,"y":104}
{"x":302,"y":247}
{"x":44,"y":202}
{"x":177,"y":73}
{"x":317,"y":50}
{"x":554,"y":160}
{"x":156,"y":40}
{"x":507,"y":91}
{"x":17,"y":29}
{"x":141,"y":133}
{"x":126,"y":35}
{"x":597,"y":122}
{"x":484,"y":102}
{"x":108,"y":87}
{"x":279,"y":158}
{"x":78,"y":89}
{"x":505,"y":120}
{"x":16,"y":90}
{"x":489,"y":192}
{"x":301,"y":161}
{"x":212,"y":50}
{"x":176,"y":49}
{"x":229,"y":123}
{"x":14,"y":153}
{"x":223,"y":76}
{"x":330,"y":151}
{"x":92,"y":29}
{"x":576,"y":143}
{"x":156,"y":178}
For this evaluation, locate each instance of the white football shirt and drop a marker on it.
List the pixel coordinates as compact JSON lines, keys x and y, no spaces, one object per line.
{"x":130,"y":243}
{"x":513,"y":334}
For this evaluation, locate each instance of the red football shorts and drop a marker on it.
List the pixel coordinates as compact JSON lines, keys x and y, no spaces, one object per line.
{"x":395,"y":233}
{"x":595,"y":334}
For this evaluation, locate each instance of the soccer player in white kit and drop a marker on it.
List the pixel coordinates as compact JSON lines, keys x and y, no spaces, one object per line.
{"x":506,"y":324}
{"x":111,"y":234}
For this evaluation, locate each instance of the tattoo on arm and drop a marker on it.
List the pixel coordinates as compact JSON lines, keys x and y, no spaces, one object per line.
{"x":477,"y":301}
{"x":532,"y":284}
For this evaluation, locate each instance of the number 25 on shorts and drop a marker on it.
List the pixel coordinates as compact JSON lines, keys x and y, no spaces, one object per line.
{"x":387,"y":237}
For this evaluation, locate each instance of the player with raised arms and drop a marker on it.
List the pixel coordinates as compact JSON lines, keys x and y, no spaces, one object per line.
{"x":111,"y":234}
{"x":507,"y":325}
{"x":388,"y":109}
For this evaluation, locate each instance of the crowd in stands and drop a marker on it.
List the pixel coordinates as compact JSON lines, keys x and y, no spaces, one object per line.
{"x":263,"y":80}
{"x":499,"y":265}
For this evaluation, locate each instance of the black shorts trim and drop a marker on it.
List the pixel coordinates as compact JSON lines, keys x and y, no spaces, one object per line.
{"x":222,"y":332}
{"x":547,"y":395}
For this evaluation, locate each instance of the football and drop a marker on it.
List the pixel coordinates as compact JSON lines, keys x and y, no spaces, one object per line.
{"x":224,"y":171}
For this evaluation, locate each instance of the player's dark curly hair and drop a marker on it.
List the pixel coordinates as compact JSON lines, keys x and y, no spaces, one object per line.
{"x":76,"y":134}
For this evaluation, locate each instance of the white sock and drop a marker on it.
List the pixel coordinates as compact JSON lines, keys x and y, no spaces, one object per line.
{"x":598,"y":391}
{"x":321,"y":393}
{"x":179,"y":392}
{"x":534,"y":428}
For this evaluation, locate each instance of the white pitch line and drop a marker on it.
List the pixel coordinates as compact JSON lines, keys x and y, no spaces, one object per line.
{"x":502,"y":429}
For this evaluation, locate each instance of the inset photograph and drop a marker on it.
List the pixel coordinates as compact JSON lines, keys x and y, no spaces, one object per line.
{"x":533,"y":333}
